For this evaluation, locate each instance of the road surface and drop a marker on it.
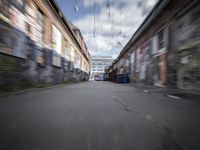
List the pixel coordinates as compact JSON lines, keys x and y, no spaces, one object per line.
{"x":98,"y":116}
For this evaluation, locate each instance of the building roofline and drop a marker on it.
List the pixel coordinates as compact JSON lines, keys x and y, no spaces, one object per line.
{"x":66,"y":22}
{"x":159,"y":6}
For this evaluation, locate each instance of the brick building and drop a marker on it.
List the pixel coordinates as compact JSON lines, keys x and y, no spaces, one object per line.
{"x":164,"y":51}
{"x":38,"y":45}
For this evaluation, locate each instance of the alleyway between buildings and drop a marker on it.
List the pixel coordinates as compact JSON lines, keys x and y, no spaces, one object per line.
{"x":98,"y":116}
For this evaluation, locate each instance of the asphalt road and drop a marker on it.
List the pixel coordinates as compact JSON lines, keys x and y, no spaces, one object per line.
{"x":98,"y":116}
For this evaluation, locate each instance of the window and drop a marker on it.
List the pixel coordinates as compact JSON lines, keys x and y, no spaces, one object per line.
{"x":100,"y":66}
{"x":55,"y":33}
{"x":133,"y":57}
{"x":34,"y":23}
{"x":72,"y":53}
{"x":39,"y":28}
{"x":56,"y":46}
{"x":99,"y":69}
{"x":161,"y":40}
{"x":66,"y":50}
{"x":77,"y":60}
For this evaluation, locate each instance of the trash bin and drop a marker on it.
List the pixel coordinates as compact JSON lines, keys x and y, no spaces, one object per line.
{"x":126,"y":78}
{"x":122,"y":78}
{"x":119,"y":78}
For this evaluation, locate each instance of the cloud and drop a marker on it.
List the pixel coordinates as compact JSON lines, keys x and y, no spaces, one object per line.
{"x":90,"y":3}
{"x":114,"y":25}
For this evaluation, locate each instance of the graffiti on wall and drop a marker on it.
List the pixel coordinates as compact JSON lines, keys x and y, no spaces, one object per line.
{"x":189,"y":67}
{"x":186,"y":51}
{"x":12,"y":39}
{"x":22,"y":21}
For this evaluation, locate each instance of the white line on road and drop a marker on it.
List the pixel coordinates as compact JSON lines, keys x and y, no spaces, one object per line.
{"x":174,"y":97}
{"x":146,"y":91}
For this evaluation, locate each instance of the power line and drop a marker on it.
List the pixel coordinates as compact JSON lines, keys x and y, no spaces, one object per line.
{"x":94,"y":34}
{"x":76,"y":9}
{"x":101,"y":36}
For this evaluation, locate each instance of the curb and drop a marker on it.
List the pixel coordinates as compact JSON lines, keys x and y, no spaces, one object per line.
{"x":167,"y":91}
{"x":36,"y":89}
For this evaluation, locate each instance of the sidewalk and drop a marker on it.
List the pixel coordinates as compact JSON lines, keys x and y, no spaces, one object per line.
{"x":169,"y":92}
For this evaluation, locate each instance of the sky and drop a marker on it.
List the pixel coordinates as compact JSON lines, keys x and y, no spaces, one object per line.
{"x":106,"y":25}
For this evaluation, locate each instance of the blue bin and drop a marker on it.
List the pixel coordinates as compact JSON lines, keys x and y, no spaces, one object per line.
{"x":122,"y":78}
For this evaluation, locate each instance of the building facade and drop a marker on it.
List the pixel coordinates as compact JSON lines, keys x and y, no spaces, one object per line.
{"x":164,"y":51}
{"x":38,"y":45}
{"x":100,"y":63}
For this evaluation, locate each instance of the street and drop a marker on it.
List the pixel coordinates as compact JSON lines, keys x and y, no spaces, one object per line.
{"x":98,"y":115}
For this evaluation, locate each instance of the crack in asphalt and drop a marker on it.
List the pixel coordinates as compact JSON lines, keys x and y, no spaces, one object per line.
{"x":171,"y":135}
{"x":125,"y":106}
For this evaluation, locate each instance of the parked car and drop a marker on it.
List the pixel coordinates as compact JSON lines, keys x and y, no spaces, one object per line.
{"x":99,"y":77}
{"x":96,"y":78}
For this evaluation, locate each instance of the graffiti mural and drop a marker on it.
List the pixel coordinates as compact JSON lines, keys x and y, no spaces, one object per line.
{"x":189,"y":67}
{"x":184,"y":62}
{"x":12,"y":27}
